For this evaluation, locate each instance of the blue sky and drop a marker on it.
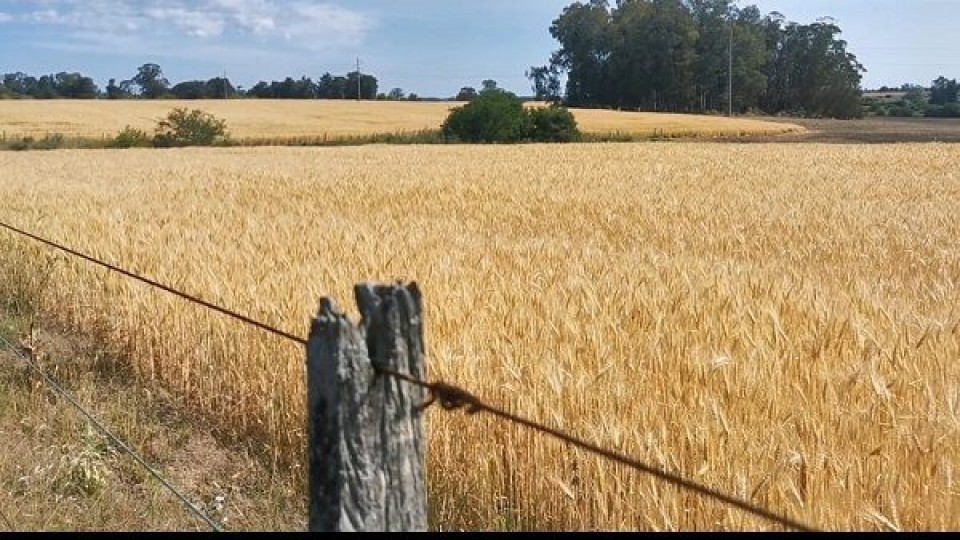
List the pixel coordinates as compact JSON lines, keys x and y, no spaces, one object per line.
{"x":431,"y":47}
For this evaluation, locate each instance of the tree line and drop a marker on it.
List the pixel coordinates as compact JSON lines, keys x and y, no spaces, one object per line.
{"x":150,"y":83}
{"x":683,"y":55}
{"x":940,"y":100}
{"x":61,"y":85}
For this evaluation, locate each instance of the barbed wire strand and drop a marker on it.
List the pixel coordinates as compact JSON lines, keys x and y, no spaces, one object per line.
{"x":58,"y":389}
{"x":453,"y":398}
{"x":161,"y":286}
{"x":7,"y":521}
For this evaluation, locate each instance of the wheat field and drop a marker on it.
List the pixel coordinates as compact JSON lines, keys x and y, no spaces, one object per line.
{"x":778,"y":322}
{"x":265,"y":119}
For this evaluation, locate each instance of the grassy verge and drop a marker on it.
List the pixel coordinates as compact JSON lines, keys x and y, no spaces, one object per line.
{"x":58,"y":473}
{"x":56,"y":141}
{"x":53,"y":141}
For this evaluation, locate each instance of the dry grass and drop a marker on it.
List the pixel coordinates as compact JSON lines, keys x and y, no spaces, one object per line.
{"x":57,"y":473}
{"x":778,"y":322}
{"x":263,"y":119}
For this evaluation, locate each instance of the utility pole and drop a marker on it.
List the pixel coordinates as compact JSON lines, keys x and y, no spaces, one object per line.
{"x":358,"y":79}
{"x":730,"y":72}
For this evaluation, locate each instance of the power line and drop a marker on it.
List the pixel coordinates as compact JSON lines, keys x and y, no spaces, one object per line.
{"x":103,"y":429}
{"x":730,"y":73}
{"x":453,"y":398}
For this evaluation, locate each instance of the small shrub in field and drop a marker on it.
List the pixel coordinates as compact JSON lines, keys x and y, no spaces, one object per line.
{"x":552,"y":124}
{"x":26,"y":143}
{"x":131,"y":138}
{"x":494,"y":116}
{"x":497,"y":116}
{"x":189,"y":128}
{"x":52,"y":141}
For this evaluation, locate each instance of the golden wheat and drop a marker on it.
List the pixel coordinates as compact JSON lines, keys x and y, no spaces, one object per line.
{"x":778,"y":322}
{"x":264,"y":119}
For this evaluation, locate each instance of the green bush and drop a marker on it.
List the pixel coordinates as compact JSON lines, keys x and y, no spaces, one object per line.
{"x":950,"y":110}
{"x":52,"y":141}
{"x":494,"y":116}
{"x":552,"y":124}
{"x":189,"y":128}
{"x":26,"y":143}
{"x":131,"y":138}
{"x":901,"y":110}
{"x":498,"y":116}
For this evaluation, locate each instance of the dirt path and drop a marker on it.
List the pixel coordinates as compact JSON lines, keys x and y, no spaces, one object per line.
{"x":866,"y":131}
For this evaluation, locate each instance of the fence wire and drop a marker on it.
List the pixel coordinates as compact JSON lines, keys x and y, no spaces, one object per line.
{"x":157,"y":285}
{"x":7,"y":521}
{"x":59,"y":390}
{"x":452,"y":398}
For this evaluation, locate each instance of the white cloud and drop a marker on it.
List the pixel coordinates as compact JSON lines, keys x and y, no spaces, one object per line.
{"x":46,"y":16}
{"x":299,"y":24}
{"x":193,"y":22}
{"x":5,"y":17}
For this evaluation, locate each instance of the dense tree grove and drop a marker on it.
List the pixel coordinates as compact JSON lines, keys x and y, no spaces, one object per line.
{"x":679,"y":55}
{"x":61,"y":85}
{"x":149,"y":82}
{"x":944,"y":91}
{"x":216,"y":88}
{"x":328,"y":87}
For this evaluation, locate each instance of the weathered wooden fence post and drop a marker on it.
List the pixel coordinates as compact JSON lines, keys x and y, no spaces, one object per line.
{"x":367,"y":448}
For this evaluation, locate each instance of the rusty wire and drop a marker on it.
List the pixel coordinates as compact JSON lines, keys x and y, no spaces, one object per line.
{"x":453,"y":398}
{"x":186,"y":296}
